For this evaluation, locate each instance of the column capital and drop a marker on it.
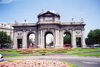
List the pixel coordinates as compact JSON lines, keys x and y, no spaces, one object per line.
{"x":30,"y":29}
{"x":67,"y":30}
{"x":73,"y":29}
{"x":24,"y":30}
{"x":15,"y":30}
{"x":48,"y":29}
{"x":57,"y":29}
{"x":82,"y":29}
{"x":40,"y":28}
{"x":36,"y":30}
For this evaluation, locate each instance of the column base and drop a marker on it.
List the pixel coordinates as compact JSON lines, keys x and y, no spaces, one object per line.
{"x":58,"y":46}
{"x":14,"y":47}
{"x":39,"y":46}
{"x":74,"y":46}
{"x":36,"y":46}
{"x":83,"y":45}
{"x":24,"y":47}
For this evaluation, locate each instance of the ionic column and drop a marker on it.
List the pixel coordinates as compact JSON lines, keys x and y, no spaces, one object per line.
{"x":42,"y":46}
{"x":36,"y":40}
{"x":39,"y":42}
{"x":83,"y":39}
{"x":73,"y":39}
{"x":56,"y":38}
{"x":43,"y":38}
{"x":15,"y":40}
{"x":24,"y":41}
{"x":61,"y":38}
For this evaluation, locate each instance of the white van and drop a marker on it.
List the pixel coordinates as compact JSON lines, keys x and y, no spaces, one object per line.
{"x":1,"y":58}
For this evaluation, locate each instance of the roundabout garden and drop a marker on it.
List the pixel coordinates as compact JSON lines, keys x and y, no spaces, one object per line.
{"x":35,"y":63}
{"x":48,"y":50}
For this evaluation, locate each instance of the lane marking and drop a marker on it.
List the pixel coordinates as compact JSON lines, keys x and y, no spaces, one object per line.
{"x":89,"y":62}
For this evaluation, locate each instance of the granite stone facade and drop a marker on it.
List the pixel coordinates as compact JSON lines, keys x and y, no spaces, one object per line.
{"x":49,"y":22}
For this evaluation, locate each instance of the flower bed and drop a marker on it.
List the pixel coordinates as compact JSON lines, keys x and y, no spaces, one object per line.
{"x":60,"y":50}
{"x":44,"y":50}
{"x":89,"y":47}
{"x":34,"y":63}
{"x":26,"y":51}
{"x":5,"y":49}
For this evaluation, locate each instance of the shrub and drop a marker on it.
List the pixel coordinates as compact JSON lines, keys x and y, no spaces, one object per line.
{"x":18,"y":50}
{"x":59,"y":51}
{"x":42,"y":51}
{"x":23,"y":52}
{"x":5,"y":49}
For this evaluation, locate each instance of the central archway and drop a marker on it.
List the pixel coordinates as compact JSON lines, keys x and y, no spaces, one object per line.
{"x":49,"y":36}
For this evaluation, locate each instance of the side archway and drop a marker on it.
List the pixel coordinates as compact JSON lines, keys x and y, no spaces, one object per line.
{"x":31,"y":39}
{"x":67,"y":38}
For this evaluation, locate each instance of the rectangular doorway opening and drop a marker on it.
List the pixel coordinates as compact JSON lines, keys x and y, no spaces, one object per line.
{"x":19,"y":43}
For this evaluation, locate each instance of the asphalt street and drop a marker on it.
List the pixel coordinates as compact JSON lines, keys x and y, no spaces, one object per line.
{"x":76,"y":60}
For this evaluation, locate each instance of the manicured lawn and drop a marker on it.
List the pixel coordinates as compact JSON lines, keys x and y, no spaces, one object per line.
{"x":89,"y":54}
{"x":76,"y":50}
{"x":14,"y":56}
{"x":13,"y":51}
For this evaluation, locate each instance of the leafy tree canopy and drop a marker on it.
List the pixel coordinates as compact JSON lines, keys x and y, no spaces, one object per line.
{"x":30,"y":41}
{"x":4,"y":38}
{"x":93,"y":37}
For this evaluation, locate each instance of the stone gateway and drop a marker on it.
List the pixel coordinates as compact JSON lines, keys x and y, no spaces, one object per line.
{"x":48,"y":22}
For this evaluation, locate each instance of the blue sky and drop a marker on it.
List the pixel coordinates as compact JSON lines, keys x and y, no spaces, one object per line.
{"x":19,"y":10}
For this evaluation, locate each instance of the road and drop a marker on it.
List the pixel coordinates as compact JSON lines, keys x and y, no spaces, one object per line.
{"x":76,"y":60}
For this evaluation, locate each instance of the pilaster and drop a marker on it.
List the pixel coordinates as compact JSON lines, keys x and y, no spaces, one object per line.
{"x":73,"y":39}
{"x":24,"y":41}
{"x":36,"y":39}
{"x":43,"y":35}
{"x":15,"y":40}
{"x":57,"y":43}
{"x":61,"y":38}
{"x":83,"y":38}
{"x":39,"y":39}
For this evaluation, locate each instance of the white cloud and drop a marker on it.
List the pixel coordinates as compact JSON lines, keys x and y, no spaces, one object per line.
{"x":6,"y":1}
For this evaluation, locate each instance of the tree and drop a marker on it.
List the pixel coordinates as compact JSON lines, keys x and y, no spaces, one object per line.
{"x":97,"y":36}
{"x":30,"y":41}
{"x":4,"y":38}
{"x":93,"y":37}
{"x":51,"y":43}
{"x":66,"y":39}
{"x":88,"y":41}
{"x":9,"y":40}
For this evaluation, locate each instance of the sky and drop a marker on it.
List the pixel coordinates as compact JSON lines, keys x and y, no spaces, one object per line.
{"x":19,"y":10}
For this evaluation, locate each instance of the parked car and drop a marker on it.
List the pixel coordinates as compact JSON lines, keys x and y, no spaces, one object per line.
{"x":1,"y":58}
{"x":96,"y":45}
{"x":90,"y":46}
